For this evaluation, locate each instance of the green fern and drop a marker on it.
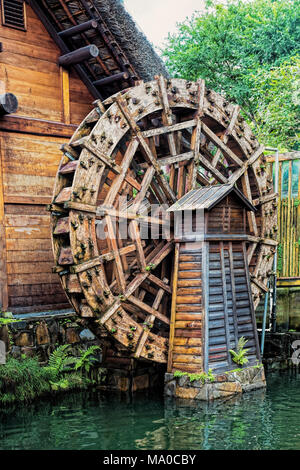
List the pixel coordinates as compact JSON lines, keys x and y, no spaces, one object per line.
{"x":240,"y":356}
{"x":85,"y":361}
{"x":60,"y":359}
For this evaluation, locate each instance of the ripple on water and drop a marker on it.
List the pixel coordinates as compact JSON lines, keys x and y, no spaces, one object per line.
{"x":260,"y":420}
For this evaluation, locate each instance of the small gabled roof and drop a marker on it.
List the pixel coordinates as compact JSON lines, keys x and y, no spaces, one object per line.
{"x":207,"y":197}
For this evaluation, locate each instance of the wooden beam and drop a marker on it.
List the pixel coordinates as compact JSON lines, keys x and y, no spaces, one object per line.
{"x":150,"y":320}
{"x":172,"y":128}
{"x":78,"y":56}
{"x":113,"y":78}
{"x":218,"y":142}
{"x":80,"y":28}
{"x":147,"y":151}
{"x":24,"y":125}
{"x":227,"y":133}
{"x":146,"y":308}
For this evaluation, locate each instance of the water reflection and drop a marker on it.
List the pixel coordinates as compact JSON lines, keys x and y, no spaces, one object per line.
{"x":260,"y":420}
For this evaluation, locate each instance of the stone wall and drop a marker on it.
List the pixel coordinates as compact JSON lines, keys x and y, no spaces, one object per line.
{"x":223,"y":386}
{"x":41,"y":334}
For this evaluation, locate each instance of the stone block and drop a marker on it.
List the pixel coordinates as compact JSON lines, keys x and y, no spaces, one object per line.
{"x":170,"y":388}
{"x":29,"y":352}
{"x":222,"y":378}
{"x":72,"y":336}
{"x":203,"y":392}
{"x":53,"y":329}
{"x":43,"y":352}
{"x":187,"y":393}
{"x":4,"y":336}
{"x":168,"y":377}
{"x":253,"y":386}
{"x":184,"y":381}
{"x":24,"y":339}
{"x":18,"y":325}
{"x":86,"y":335}
{"x":224,"y":390}
{"x":15,"y":352}
{"x":42,"y":334}
{"x":122,"y":384}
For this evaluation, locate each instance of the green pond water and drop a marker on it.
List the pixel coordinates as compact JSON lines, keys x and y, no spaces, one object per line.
{"x":259,"y":420}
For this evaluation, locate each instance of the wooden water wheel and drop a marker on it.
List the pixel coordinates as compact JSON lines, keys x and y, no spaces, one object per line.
{"x":150,"y":144}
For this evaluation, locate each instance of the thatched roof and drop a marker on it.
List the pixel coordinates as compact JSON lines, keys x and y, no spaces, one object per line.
{"x":135,"y":44}
{"x":122,"y":46}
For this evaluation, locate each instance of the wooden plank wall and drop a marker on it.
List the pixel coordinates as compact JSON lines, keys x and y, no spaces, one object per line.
{"x":187,"y":339}
{"x":52,"y":101}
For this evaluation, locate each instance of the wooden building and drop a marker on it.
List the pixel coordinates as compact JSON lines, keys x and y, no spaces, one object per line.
{"x":212,"y":304}
{"x":56,"y":57}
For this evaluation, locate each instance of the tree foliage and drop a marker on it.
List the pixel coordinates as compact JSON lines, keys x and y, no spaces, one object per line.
{"x":277,"y":94}
{"x":231,"y":45}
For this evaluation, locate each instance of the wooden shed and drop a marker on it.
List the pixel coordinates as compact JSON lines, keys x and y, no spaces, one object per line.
{"x":56,"y":58}
{"x":212,"y":305}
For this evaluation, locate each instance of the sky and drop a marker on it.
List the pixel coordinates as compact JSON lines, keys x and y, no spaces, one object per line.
{"x":157,"y":18}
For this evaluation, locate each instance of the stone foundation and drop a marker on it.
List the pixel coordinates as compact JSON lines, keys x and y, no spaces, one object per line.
{"x":39,"y":334}
{"x":225,"y":385}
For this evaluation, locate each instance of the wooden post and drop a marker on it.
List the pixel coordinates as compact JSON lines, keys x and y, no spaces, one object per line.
{"x":65,"y":88}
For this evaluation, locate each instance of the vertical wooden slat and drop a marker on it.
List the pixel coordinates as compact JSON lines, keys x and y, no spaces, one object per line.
{"x":3,"y":261}
{"x":251,"y":303}
{"x":65,"y":88}
{"x":225,"y":300}
{"x":234,"y":309}
{"x":173,"y":307}
{"x":205,"y":303}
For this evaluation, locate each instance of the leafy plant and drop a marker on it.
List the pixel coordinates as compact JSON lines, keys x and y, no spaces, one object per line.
{"x":249,"y":52}
{"x":60,"y":359}
{"x":86,"y":360}
{"x":24,"y":379}
{"x":6,"y":321}
{"x":240,"y":356}
{"x":202,"y":376}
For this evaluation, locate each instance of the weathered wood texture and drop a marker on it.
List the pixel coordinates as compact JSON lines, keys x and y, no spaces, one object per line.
{"x":213,"y":299}
{"x":187,"y":344}
{"x":151,"y":144}
{"x":51,"y":102}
